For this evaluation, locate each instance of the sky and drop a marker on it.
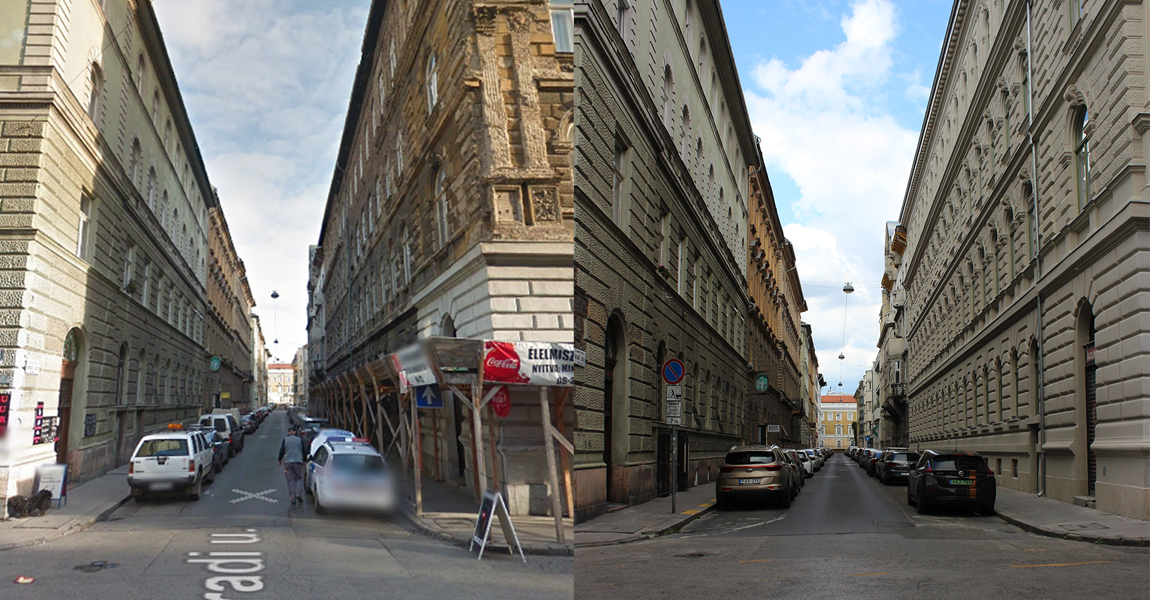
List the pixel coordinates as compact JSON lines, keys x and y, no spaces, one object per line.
{"x":836,"y":89}
{"x":266,"y":84}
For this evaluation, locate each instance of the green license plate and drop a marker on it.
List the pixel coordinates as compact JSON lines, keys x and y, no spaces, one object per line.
{"x":961,"y":482}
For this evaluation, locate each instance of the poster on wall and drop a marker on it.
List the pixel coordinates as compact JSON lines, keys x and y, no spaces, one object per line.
{"x":89,"y":424}
{"x":5,"y":410}
{"x":529,"y":363}
{"x":38,"y":425}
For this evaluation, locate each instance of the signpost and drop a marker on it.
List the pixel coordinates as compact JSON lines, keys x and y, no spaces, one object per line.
{"x":428,"y":396}
{"x":214,"y":364}
{"x":673,"y":373}
{"x":493,"y":505}
{"x":762,"y":383}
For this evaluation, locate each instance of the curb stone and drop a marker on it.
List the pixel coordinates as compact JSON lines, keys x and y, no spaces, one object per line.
{"x":77,"y":526}
{"x":465,"y":541}
{"x":646,"y":535}
{"x":1075,"y":537}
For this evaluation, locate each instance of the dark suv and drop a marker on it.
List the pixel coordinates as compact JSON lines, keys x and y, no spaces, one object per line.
{"x":894,"y":466}
{"x":951,"y":478}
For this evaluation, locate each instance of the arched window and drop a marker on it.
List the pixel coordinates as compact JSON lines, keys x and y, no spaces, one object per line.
{"x":1082,"y":155}
{"x":668,"y":92}
{"x":151,"y":190}
{"x":442,"y":209}
{"x":140,"y":72}
{"x":399,"y":156}
{"x":432,"y":83}
{"x":163,"y":209}
{"x":134,"y":162}
{"x":156,"y":104}
{"x":96,"y":91}
{"x":167,"y":133}
{"x":685,"y":133}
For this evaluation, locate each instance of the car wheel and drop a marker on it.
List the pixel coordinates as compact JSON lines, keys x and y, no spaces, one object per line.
{"x":720,"y":504}
{"x":211,"y":476}
{"x":920,"y":499}
{"x":786,"y":500}
{"x":197,"y":489}
{"x":140,"y":497}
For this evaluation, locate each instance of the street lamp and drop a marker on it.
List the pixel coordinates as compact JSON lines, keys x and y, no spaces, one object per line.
{"x":848,"y":289}
{"x":275,"y":320}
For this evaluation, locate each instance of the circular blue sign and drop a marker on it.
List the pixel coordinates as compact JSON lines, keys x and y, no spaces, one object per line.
{"x":673,"y":371}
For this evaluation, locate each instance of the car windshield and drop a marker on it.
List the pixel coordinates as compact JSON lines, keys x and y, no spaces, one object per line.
{"x":750,"y":458}
{"x":355,"y":464}
{"x":954,"y":463}
{"x":163,"y":447}
{"x":903,"y":457}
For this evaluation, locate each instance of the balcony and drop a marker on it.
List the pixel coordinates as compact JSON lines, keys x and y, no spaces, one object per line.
{"x":897,"y":391}
{"x":895,"y":348}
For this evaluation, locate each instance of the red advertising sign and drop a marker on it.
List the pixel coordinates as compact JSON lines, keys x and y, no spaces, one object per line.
{"x":501,"y":402}
{"x":5,"y":410}
{"x":529,"y":363}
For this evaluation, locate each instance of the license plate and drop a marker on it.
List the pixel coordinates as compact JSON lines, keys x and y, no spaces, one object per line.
{"x":159,"y":487}
{"x":961,"y":482}
{"x":748,"y":481}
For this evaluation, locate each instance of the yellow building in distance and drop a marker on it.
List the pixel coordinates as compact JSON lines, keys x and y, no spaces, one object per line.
{"x":837,"y":414}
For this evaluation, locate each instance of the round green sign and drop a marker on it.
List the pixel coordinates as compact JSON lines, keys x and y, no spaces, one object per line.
{"x":215,"y":363}
{"x":762,"y":384}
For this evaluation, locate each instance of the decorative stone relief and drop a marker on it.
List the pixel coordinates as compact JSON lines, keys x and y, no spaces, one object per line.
{"x":545,"y":204}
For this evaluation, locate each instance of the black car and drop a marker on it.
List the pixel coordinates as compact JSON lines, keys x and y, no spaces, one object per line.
{"x":951,"y":478}
{"x":894,"y":466}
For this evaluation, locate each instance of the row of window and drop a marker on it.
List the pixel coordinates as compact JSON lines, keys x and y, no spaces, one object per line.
{"x":838,"y":415}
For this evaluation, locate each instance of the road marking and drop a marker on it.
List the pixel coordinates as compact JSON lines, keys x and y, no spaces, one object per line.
{"x":1035,"y":549}
{"x":1089,"y":562}
{"x":758,"y":560}
{"x":249,"y":496}
{"x":862,"y":574}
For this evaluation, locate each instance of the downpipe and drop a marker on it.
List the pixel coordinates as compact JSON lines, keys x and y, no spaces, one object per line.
{"x":1040,"y":387}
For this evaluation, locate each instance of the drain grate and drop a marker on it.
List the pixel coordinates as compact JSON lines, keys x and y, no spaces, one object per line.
{"x":1083,"y":526}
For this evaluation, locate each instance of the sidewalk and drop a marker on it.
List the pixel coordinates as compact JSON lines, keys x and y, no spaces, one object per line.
{"x":1054,"y":518}
{"x":87,"y":503}
{"x":449,"y":515}
{"x":646,"y":520}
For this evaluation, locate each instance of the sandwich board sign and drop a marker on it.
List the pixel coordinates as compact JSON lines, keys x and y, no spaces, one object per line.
{"x":53,"y":478}
{"x":493,"y":505}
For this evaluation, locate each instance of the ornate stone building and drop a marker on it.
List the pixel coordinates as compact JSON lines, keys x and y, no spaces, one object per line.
{"x":1029,"y":247}
{"x":228,"y":335}
{"x":773,"y":337}
{"x":105,"y":206}
{"x":662,"y":158}
{"x":450,"y":211}
{"x":811,"y":385}
{"x":890,"y":387}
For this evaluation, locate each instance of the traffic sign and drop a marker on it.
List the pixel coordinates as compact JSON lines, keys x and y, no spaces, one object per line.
{"x":674,"y":405}
{"x":673,"y":371}
{"x":772,"y":428}
{"x":214,"y":364}
{"x":762,"y":383}
{"x":428,"y":396}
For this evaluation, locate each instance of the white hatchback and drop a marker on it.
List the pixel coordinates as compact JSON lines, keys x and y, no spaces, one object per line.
{"x":350,"y":475}
{"x":177,"y":460}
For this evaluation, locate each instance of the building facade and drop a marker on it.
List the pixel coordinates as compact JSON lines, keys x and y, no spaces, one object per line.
{"x":661,"y":183}
{"x":892,"y":345}
{"x":106,"y":203}
{"x":774,"y":385}
{"x":281,"y":383}
{"x":450,"y":212}
{"x":812,"y":385}
{"x":260,"y":356}
{"x":1027,"y":232}
{"x":228,"y":335}
{"x":837,"y":415}
{"x":300,"y":376}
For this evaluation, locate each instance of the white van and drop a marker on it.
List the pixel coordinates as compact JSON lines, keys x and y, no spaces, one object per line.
{"x":172,"y":461}
{"x":228,"y":427}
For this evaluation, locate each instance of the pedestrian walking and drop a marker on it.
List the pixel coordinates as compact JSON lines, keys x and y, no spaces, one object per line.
{"x":291,"y":459}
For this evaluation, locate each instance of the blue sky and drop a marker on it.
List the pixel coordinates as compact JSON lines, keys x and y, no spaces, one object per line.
{"x":836,"y":90}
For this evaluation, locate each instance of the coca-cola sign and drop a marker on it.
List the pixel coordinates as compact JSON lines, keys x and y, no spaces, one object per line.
{"x":501,"y":402}
{"x":529,"y":363}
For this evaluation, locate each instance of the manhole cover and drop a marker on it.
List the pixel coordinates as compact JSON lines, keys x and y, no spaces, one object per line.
{"x":694,"y":555}
{"x":1083,"y":526}
{"x":96,"y":566}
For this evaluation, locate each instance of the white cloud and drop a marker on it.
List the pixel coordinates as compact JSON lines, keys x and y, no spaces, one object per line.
{"x":822,"y":124}
{"x":267,"y":86}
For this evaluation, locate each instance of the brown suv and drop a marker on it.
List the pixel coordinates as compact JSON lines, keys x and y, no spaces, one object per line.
{"x":753,"y":472}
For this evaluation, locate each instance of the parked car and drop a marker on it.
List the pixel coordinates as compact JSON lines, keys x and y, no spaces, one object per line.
{"x":894,"y":466}
{"x":797,"y":459}
{"x":350,"y":475}
{"x":228,"y":427}
{"x":218,"y":443}
{"x":951,"y":478}
{"x":248,"y":424}
{"x":329,"y":434}
{"x":818,"y":464}
{"x":798,"y":477}
{"x":177,"y":460}
{"x":753,"y":472}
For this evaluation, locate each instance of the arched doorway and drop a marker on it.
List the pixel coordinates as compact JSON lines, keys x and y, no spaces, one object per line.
{"x":71,"y":417}
{"x":615,"y":417}
{"x":1086,"y":464}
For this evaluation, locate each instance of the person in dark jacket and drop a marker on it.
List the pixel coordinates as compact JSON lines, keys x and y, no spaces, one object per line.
{"x":291,"y":459}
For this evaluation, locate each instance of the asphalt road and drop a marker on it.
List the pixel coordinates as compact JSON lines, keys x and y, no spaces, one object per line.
{"x":848,"y":536}
{"x":294,"y":554}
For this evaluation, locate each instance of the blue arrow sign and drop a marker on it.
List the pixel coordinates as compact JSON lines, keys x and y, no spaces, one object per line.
{"x":673,"y":371}
{"x":428,"y":396}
